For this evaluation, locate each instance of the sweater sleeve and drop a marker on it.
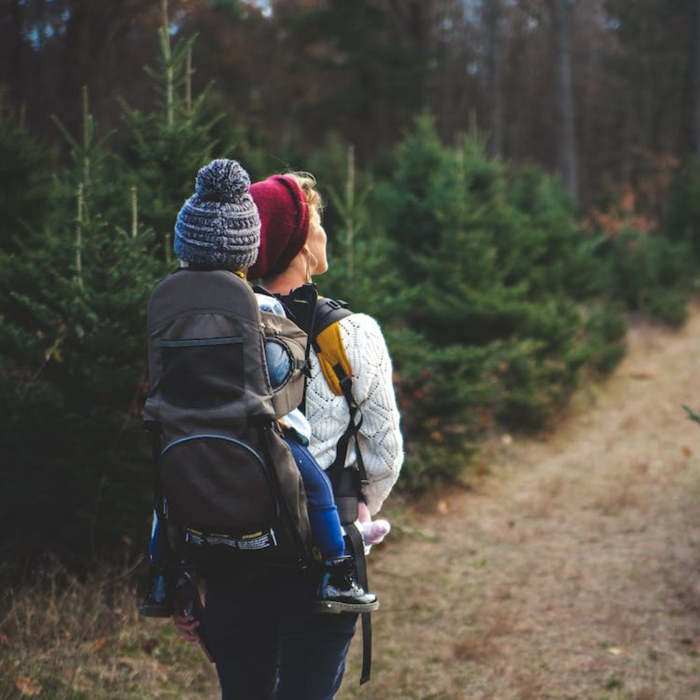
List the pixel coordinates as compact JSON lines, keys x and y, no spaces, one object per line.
{"x":379,"y":436}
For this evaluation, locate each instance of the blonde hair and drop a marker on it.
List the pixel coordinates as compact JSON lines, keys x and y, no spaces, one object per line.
{"x":307,"y":184}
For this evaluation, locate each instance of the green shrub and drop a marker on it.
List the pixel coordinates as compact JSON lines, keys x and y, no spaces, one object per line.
{"x":26,"y":187}
{"x":606,"y":329}
{"x":494,"y":303}
{"x":650,"y":273}
{"x":72,"y":379}
{"x":72,"y":366}
{"x":682,"y":216}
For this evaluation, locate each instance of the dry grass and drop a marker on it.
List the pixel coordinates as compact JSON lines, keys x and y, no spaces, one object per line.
{"x":66,"y":638}
{"x":472,"y":647}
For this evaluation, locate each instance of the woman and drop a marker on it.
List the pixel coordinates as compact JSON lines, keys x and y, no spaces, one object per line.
{"x":263,"y":636}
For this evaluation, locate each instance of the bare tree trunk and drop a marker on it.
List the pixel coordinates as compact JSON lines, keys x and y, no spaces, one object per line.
{"x":494,"y":72}
{"x":188,"y":83}
{"x":566,"y":142}
{"x":167,"y":59}
{"x":17,"y":14}
{"x":696,"y":85}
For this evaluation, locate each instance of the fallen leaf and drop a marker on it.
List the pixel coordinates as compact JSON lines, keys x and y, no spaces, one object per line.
{"x":95,"y":645}
{"x":686,"y":451}
{"x":27,"y":686}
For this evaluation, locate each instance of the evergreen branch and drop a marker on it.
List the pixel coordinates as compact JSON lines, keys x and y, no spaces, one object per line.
{"x":154,"y":74}
{"x":691,"y":414}
{"x":212,"y":122}
{"x":338,"y":203}
{"x":65,"y":133}
{"x":98,"y":145}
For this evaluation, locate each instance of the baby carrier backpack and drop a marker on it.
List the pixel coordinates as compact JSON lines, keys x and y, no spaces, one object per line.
{"x":225,"y":482}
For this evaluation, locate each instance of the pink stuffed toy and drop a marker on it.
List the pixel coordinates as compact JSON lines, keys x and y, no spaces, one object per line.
{"x":373,"y":531}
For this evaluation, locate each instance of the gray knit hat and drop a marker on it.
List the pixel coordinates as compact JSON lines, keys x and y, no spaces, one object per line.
{"x":219,"y":223}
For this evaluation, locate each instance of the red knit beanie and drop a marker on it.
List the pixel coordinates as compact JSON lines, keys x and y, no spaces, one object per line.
{"x":284,"y":219}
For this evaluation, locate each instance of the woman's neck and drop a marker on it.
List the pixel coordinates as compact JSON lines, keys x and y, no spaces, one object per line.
{"x":287,"y":280}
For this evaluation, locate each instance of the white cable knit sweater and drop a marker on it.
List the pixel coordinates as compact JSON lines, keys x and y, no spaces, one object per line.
{"x":380,"y":438}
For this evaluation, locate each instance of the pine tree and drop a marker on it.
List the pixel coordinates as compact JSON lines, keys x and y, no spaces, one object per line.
{"x":496,"y":317}
{"x":25,"y":181}
{"x":72,"y":365}
{"x":165,"y":149}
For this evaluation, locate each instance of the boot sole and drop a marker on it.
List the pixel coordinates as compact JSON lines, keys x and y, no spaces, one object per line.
{"x":335,"y":607}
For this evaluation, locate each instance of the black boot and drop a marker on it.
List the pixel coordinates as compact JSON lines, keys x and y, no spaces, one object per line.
{"x":186,"y":600}
{"x":157,"y":601}
{"x":339,"y":592}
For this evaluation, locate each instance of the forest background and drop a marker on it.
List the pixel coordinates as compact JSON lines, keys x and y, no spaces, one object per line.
{"x":505,"y":181}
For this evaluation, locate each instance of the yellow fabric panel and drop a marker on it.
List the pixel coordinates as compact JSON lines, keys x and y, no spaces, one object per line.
{"x":332,"y":352}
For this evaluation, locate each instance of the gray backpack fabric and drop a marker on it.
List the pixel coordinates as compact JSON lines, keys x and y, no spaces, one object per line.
{"x":229,"y":487}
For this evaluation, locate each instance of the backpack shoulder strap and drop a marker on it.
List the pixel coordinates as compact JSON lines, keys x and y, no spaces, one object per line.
{"x":328,"y":342}
{"x":334,"y":363}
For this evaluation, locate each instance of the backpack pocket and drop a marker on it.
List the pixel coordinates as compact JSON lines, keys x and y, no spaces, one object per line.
{"x":218,"y":484}
{"x":202,"y":373}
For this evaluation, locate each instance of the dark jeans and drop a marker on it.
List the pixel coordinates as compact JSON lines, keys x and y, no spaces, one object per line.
{"x":267,"y":644}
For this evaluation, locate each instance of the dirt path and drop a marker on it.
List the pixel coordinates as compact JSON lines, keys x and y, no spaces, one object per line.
{"x":571,"y":569}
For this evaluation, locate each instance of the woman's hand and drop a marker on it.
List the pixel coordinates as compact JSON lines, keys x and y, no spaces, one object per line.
{"x":186,"y":627}
{"x":363,"y":514}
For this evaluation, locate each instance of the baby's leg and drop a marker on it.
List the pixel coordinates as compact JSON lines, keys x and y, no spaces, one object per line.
{"x":157,"y":545}
{"x":337,"y":590}
{"x":323,"y":513}
{"x":157,"y":603}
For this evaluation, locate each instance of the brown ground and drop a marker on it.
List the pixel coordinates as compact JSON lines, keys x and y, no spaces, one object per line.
{"x":568,"y":570}
{"x":571,"y":569}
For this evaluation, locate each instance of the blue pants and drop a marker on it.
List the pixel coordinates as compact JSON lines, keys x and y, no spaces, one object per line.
{"x":323,"y":513}
{"x":266,"y":643}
